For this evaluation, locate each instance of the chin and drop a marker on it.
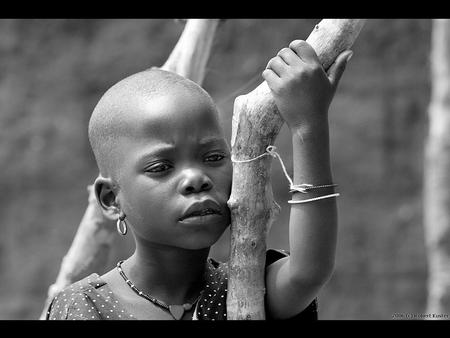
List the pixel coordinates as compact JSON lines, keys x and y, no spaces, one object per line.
{"x":203,"y":240}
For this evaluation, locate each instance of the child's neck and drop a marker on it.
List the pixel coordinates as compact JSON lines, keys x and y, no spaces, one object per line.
{"x":170,"y":274}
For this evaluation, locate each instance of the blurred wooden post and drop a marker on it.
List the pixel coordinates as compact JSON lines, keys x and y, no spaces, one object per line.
{"x":91,"y":245}
{"x":89,"y":250}
{"x":190,"y":55}
{"x":256,"y":123}
{"x":437,"y":173}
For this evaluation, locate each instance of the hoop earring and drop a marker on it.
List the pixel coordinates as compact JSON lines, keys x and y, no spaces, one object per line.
{"x":121,"y":220}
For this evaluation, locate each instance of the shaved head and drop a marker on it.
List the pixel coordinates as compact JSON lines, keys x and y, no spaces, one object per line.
{"x":124,"y":103}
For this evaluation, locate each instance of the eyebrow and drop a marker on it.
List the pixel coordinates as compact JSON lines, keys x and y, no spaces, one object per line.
{"x":156,"y":150}
{"x":167,"y":147}
{"x":211,"y":140}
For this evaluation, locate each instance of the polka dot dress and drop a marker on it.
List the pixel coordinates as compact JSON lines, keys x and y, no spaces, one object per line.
{"x":212,"y":303}
{"x":87,"y":299}
{"x":92,"y":299}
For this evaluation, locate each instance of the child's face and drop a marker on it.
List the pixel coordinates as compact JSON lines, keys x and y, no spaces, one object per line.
{"x":175,"y":161}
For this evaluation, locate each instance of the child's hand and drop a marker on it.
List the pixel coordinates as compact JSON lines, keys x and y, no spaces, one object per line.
{"x":301,"y":88}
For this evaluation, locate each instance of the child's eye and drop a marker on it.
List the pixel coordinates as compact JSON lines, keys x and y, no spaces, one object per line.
{"x":159,"y":167}
{"x":214,"y":157}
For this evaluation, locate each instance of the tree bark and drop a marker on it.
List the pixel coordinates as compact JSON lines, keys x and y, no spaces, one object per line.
{"x":437,"y":173}
{"x":255,"y":125}
{"x":92,"y":243}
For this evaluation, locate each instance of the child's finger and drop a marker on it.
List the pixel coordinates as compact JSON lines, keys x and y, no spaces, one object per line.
{"x":337,"y":68}
{"x":277,"y":65}
{"x":304,"y":51}
{"x":288,"y":56}
{"x":271,"y":77}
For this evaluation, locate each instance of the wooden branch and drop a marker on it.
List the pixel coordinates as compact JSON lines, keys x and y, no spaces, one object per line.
{"x":188,"y":61}
{"x":437,"y":173}
{"x":256,"y":124}
{"x":91,"y":245}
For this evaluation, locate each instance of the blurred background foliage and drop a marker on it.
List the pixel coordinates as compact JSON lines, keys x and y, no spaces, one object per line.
{"x":53,"y":71}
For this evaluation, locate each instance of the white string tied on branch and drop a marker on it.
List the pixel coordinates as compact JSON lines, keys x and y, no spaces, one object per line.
{"x":303,"y":187}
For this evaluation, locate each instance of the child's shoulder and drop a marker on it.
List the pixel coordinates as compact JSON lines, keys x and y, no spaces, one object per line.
{"x":68,"y":299}
{"x":90,"y":282}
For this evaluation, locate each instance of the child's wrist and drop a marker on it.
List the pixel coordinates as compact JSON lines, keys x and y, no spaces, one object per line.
{"x":311,"y":130}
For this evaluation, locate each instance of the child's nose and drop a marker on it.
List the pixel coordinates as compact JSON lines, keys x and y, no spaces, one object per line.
{"x":194,"y":181}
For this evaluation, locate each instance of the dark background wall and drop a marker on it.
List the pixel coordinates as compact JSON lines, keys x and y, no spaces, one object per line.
{"x":53,"y":71}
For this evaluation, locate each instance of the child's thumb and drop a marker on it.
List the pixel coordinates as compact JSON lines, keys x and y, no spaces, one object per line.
{"x":337,"y":68}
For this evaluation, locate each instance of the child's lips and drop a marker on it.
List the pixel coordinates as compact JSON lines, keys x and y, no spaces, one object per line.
{"x":202,"y":211}
{"x":201,"y":219}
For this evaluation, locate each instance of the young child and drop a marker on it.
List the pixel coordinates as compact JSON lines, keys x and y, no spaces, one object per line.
{"x":165,"y":174}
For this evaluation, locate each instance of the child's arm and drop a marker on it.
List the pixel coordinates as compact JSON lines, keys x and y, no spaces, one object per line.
{"x":303,"y":92}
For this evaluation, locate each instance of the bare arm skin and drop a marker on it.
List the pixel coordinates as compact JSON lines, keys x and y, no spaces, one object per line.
{"x":303,"y":92}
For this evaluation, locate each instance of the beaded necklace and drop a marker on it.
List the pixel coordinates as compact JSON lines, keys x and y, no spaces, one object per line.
{"x":176,"y":311}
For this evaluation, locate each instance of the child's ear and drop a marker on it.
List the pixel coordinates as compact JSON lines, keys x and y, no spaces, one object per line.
{"x":105,"y":194}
